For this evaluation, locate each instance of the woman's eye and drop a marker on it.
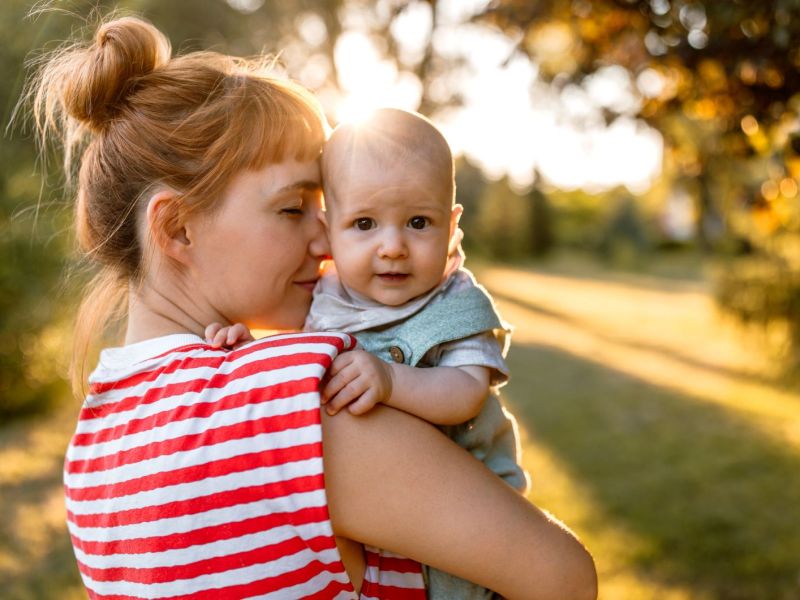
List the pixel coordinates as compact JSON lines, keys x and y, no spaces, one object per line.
{"x":293,"y":211}
{"x":364,"y":223}
{"x":418,"y":222}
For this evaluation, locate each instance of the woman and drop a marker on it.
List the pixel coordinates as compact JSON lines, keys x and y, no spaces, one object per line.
{"x":198,"y":473}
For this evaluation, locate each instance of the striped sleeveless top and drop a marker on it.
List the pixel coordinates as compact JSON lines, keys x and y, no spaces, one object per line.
{"x":197,"y":473}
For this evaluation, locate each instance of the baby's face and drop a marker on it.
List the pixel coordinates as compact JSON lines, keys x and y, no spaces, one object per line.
{"x":390,"y":233}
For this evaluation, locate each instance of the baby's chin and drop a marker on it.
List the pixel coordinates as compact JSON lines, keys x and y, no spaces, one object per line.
{"x":395,"y":300}
{"x":392,"y":296}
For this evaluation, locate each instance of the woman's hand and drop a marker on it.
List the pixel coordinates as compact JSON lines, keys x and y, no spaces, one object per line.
{"x":358,"y":380}
{"x":230,"y":336}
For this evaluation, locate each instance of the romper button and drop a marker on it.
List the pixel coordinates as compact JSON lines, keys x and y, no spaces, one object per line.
{"x":397,"y":354}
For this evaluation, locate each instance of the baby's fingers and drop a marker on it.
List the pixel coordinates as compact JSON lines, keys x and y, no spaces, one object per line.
{"x":340,"y":363}
{"x":238,"y":334}
{"x":211,"y":331}
{"x":345,"y":396}
{"x":334,"y":385}
{"x":364,"y":404}
{"x":219,"y":338}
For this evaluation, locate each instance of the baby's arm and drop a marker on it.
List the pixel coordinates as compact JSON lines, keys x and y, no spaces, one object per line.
{"x":440,"y":395}
{"x":359,"y":380}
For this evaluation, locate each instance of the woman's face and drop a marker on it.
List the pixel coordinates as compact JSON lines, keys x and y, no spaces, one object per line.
{"x":257,"y":257}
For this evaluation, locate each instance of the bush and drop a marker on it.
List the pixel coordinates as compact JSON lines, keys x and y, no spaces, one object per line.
{"x":764,"y":291}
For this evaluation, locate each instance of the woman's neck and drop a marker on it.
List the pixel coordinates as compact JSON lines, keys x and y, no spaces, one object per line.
{"x":155,"y":312}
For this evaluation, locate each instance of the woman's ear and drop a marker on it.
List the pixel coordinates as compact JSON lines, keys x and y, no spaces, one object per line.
{"x":165,"y":226}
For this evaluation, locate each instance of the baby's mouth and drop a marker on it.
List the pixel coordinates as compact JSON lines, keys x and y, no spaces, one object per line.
{"x":393,"y":277}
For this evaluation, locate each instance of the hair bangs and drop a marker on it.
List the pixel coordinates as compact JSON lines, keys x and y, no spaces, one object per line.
{"x":262,"y":120}
{"x":281,"y":121}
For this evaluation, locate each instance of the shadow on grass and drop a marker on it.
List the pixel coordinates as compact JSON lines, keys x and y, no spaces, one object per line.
{"x":670,"y":353}
{"x":716,"y":502}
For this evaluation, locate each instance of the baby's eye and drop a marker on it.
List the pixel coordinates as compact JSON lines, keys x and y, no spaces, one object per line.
{"x":364,"y":223}
{"x":418,"y":222}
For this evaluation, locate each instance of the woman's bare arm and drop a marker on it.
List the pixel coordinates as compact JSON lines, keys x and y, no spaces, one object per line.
{"x":395,"y":482}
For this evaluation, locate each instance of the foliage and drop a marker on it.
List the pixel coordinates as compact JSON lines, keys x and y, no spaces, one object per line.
{"x":31,"y":245}
{"x":500,"y":223}
{"x":766,"y":293}
{"x":624,"y":241}
{"x":720,"y":81}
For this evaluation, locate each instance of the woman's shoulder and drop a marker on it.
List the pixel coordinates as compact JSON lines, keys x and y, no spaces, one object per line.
{"x":180,"y":359}
{"x":283,"y":350}
{"x":331,"y":343}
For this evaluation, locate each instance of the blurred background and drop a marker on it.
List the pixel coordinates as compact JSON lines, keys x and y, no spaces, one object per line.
{"x":629,"y":171}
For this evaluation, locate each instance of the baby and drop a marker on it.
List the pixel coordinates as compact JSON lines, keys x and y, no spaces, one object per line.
{"x":399,"y":287}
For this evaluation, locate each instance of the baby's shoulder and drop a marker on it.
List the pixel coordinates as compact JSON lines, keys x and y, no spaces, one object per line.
{"x":463,"y":287}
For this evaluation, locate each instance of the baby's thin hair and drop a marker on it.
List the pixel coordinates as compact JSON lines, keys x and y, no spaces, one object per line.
{"x":389,"y":138}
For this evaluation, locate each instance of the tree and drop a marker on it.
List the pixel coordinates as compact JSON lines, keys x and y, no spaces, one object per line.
{"x":720,"y":80}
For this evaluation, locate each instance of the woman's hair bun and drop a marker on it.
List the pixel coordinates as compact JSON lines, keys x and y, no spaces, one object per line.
{"x":98,"y":78}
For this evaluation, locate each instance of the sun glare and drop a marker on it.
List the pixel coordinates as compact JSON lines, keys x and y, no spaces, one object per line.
{"x":369,"y":81}
{"x":509,"y":122}
{"x":356,"y":109}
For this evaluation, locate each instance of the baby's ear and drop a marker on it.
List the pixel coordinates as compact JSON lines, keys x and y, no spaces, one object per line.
{"x":323,"y":216}
{"x":455,"y":217}
{"x":456,"y":233}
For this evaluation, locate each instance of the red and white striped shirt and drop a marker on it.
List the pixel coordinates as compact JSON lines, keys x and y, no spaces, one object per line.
{"x":197,"y":473}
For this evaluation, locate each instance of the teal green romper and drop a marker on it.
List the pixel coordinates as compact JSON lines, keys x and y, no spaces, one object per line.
{"x":492,"y":435}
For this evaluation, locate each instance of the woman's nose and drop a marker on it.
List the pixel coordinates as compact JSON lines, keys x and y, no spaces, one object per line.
{"x":392,"y":245}
{"x":319,"y":247}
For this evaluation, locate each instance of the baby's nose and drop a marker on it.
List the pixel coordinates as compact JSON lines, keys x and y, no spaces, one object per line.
{"x":392,"y":245}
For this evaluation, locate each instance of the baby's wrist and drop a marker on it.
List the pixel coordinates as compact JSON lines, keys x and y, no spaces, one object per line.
{"x":391,"y":380}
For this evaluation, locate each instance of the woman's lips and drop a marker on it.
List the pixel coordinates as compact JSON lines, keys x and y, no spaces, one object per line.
{"x":307,"y":285}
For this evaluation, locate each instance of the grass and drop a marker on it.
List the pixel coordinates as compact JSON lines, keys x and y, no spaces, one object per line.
{"x":36,"y":559}
{"x":655,"y":428}
{"x":656,"y":431}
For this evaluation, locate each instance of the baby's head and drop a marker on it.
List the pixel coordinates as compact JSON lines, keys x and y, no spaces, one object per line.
{"x":390,"y":211}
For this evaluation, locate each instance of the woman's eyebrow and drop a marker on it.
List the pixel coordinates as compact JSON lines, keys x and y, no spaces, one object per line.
{"x":305,"y":184}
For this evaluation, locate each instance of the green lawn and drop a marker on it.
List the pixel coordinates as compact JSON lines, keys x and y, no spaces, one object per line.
{"x":652,"y":426}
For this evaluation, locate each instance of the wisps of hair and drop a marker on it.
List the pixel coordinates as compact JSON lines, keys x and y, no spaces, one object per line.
{"x":136,"y":119}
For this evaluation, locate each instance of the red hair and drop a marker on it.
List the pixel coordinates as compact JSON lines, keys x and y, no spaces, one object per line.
{"x":188,"y":123}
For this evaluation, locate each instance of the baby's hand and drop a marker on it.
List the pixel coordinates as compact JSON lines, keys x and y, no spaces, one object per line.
{"x":230,"y":337}
{"x":357,"y":379}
